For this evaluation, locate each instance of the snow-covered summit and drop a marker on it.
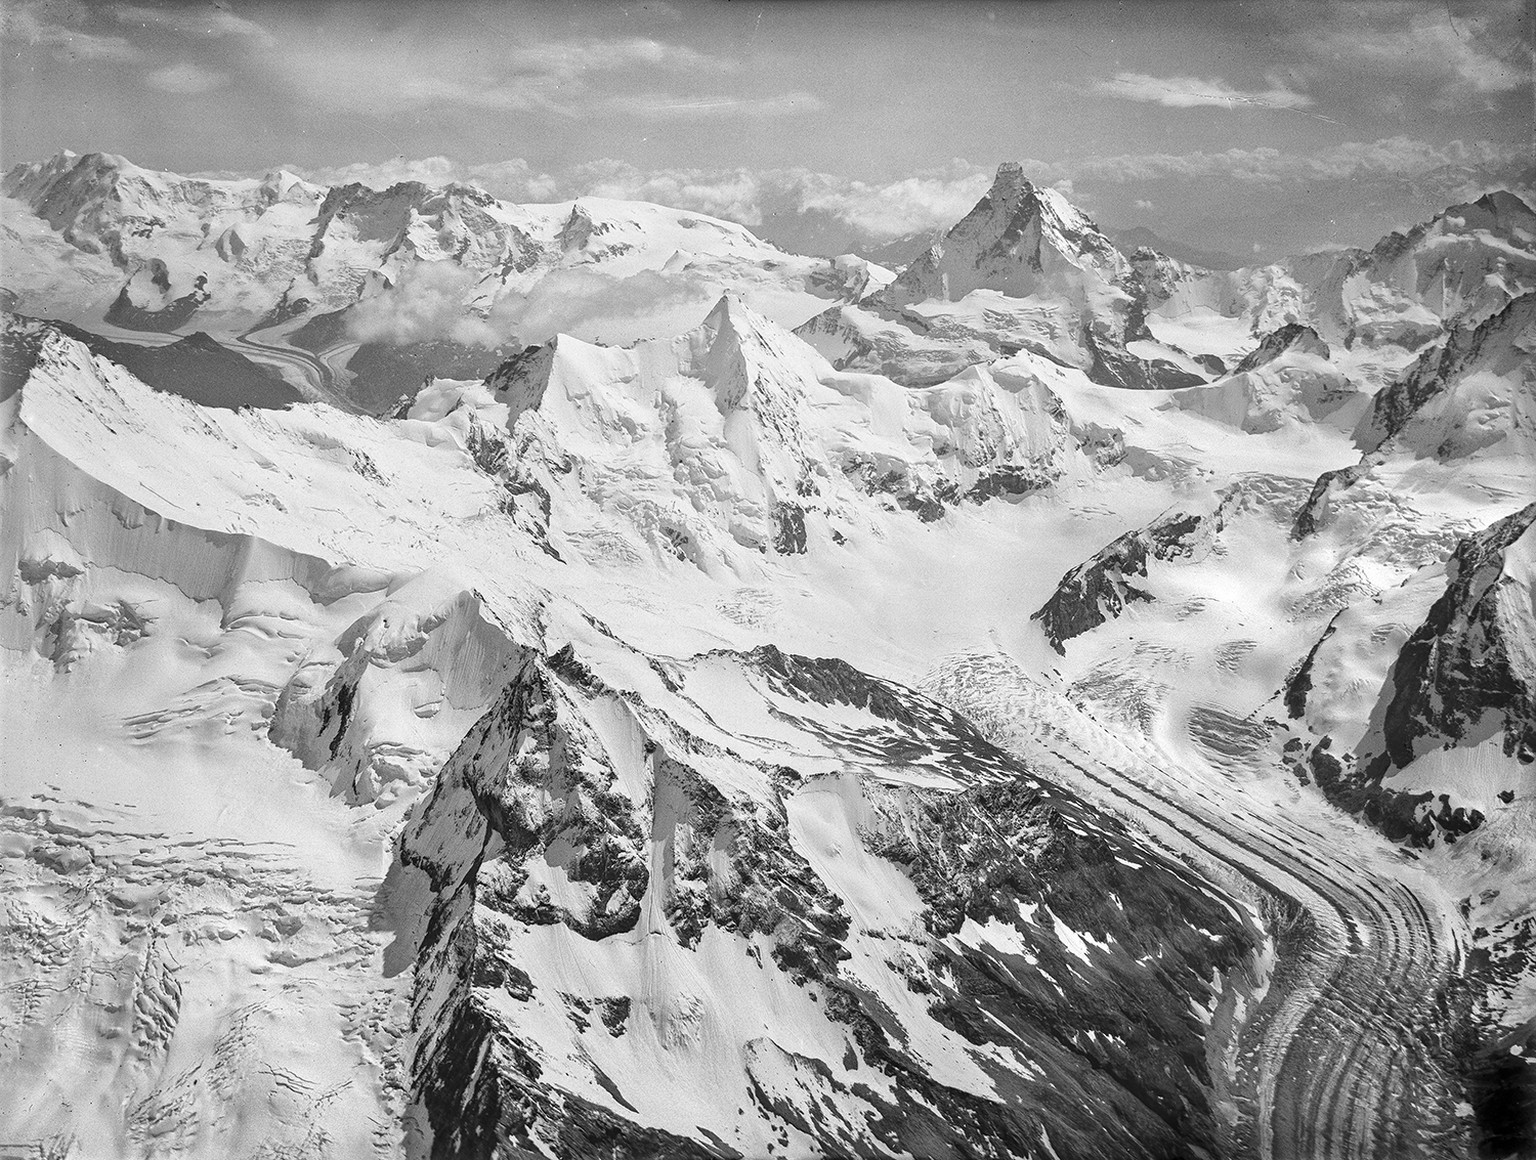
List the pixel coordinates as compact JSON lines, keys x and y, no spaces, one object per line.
{"x":1023,"y":270}
{"x":1018,"y":238}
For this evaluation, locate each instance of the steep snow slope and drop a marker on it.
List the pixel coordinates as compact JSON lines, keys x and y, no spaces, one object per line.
{"x":651,"y":750}
{"x":177,"y":243}
{"x":1470,"y":393}
{"x":1454,"y":271}
{"x":1024,"y":270}
{"x":96,"y":240}
{"x":199,"y":621}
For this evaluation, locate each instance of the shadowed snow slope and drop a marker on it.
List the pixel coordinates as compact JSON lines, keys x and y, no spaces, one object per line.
{"x":891,"y":737}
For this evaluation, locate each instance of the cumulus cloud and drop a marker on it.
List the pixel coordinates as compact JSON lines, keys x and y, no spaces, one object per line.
{"x":733,"y":194}
{"x":876,"y":209}
{"x":613,"y":309}
{"x":1192,"y":92}
{"x":895,"y":208}
{"x":516,"y":177}
{"x":382,"y":174}
{"x":185,"y":78}
{"x":430,"y":303}
{"x":427,"y":303}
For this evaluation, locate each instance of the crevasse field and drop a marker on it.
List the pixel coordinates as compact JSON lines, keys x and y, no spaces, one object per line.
{"x":1040,"y":701}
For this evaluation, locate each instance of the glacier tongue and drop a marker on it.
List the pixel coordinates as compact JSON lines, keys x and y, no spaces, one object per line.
{"x":649,"y":749}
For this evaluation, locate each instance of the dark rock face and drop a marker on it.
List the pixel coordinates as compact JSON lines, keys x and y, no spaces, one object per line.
{"x":790,"y":521}
{"x":1314,"y":512}
{"x":1461,"y":678}
{"x":1298,"y":685}
{"x":380,"y":373}
{"x":1101,"y":587}
{"x":166,"y":320}
{"x":1292,"y":336}
{"x":197,"y":367}
{"x":1437,"y":370}
{"x":1469,"y":658}
{"x":1113,"y":366}
{"x":988,"y":854}
{"x":1418,"y":819}
{"x":1087,"y":1038}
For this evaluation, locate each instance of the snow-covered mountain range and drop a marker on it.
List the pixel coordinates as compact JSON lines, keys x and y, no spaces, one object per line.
{"x":1039,"y":701}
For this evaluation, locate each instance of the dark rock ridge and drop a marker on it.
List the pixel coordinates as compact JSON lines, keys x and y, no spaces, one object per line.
{"x":124,"y":312}
{"x":1462,"y":678}
{"x":1011,"y":240}
{"x":1313,"y":513}
{"x":1471,"y":658}
{"x":1101,"y":587}
{"x":380,"y":373}
{"x":459,"y":213}
{"x":1134,"y":238}
{"x":1293,"y":336}
{"x":1495,"y":343}
{"x":197,"y":367}
{"x":1021,"y":240}
{"x":1420,"y":819}
{"x":1088,"y":1041}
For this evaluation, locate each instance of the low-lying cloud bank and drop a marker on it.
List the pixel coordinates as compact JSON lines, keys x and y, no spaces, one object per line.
{"x":1384,"y":173}
{"x":433,"y":302}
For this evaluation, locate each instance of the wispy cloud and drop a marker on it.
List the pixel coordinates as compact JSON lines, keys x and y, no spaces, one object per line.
{"x":883,"y":210}
{"x":67,"y":41}
{"x":185,"y":78}
{"x":1400,"y":158}
{"x":1194,"y":92}
{"x":1447,"y":60}
{"x":205,"y":20}
{"x":666,"y":106}
{"x":563,"y":77}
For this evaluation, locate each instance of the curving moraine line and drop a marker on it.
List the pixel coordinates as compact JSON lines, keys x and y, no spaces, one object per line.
{"x":1338,"y":1061}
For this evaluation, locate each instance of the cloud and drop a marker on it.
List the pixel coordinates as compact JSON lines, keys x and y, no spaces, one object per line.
{"x":53,"y":26}
{"x":515,"y":176}
{"x":892,"y":209}
{"x":551,"y":76}
{"x":512,"y":179}
{"x":185,"y":78}
{"x":793,"y":206}
{"x":666,"y":106}
{"x":205,"y":20}
{"x":579,"y":301}
{"x":1192,"y":92}
{"x":382,"y":174}
{"x":876,"y":209}
{"x":573,"y":57}
{"x":1427,"y":54}
{"x":728,"y":193}
{"x":427,"y":303}
{"x":1400,"y":158}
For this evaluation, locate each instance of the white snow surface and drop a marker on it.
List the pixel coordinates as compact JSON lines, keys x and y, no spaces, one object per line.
{"x":241,"y":651}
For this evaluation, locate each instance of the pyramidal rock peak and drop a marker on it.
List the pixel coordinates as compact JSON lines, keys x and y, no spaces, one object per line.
{"x":490,"y":680}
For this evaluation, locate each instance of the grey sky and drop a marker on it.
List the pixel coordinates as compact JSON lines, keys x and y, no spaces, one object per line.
{"x":1224,"y":124}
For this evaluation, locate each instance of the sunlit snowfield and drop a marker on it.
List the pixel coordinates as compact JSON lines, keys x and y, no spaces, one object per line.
{"x":1039,"y":701}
